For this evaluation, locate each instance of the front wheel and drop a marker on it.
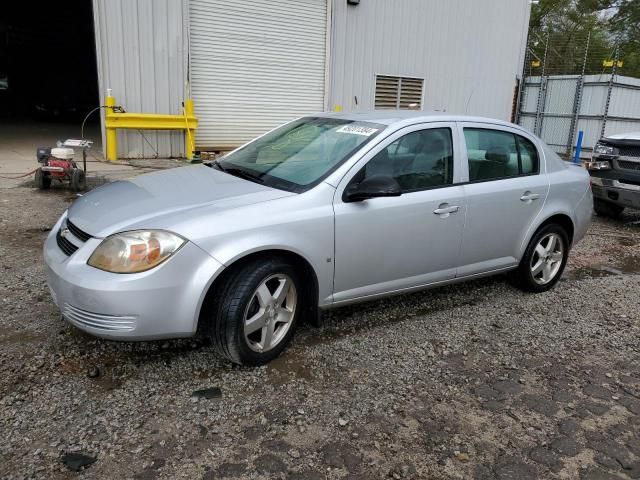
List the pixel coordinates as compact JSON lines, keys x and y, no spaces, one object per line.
{"x":255,"y":314}
{"x":544,"y":260}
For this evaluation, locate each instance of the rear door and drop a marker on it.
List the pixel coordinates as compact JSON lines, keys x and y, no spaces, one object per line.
{"x":505,"y":190}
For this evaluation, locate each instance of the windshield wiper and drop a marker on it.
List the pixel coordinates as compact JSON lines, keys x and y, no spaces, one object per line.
{"x":215,"y":163}
{"x":238,"y":172}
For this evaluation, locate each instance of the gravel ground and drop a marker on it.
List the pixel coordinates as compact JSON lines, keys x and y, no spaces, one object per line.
{"x":477,"y":380}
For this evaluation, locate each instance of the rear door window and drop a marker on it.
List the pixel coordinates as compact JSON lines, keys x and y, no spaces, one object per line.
{"x":496,"y":154}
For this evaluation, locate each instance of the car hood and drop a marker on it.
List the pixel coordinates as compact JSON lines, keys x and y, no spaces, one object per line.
{"x":625,"y":136}
{"x":146,"y":199}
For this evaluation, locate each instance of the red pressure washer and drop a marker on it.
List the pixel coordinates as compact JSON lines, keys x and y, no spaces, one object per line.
{"x":58,"y":164}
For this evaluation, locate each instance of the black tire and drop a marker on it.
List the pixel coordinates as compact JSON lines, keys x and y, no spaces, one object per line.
{"x":43,"y":181}
{"x":607,"y":209}
{"x":523,"y":277}
{"x":225,"y":315}
{"x":78,"y":180}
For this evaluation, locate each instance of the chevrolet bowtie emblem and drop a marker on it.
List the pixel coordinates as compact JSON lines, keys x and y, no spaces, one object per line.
{"x":64,"y":232}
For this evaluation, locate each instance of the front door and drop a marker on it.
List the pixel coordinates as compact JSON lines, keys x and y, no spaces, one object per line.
{"x":506,"y":190}
{"x":396,"y":243}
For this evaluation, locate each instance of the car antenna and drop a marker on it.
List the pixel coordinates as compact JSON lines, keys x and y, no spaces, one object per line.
{"x":466,"y":107}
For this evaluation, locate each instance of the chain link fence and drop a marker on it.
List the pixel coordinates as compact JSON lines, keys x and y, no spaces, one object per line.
{"x":575,"y":83}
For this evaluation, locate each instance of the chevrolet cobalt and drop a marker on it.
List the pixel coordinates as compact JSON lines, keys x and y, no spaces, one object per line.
{"x":323,"y":211}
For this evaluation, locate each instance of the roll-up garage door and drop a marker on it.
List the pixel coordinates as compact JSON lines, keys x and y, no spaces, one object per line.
{"x":254,"y":64}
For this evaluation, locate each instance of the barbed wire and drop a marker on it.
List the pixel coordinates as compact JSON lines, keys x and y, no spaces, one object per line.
{"x":569,"y":54}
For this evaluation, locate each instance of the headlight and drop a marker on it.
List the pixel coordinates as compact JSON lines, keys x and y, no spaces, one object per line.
{"x":135,"y":251}
{"x":601,"y":165}
{"x":604,"y":149}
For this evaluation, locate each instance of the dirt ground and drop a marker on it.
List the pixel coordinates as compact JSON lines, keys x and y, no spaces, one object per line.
{"x":477,"y":380}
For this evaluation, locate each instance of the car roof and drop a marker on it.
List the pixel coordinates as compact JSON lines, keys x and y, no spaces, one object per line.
{"x":390,"y":117}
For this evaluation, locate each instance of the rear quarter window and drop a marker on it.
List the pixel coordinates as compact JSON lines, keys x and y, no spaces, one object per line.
{"x":529,"y":161}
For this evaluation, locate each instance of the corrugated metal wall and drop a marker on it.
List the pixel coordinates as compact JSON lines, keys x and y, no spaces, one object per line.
{"x":142,"y":56}
{"x":469,"y":52}
{"x":255,"y":65}
{"x":557,"y":104}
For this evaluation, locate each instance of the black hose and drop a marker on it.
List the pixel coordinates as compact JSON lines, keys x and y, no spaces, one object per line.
{"x":118,"y":109}
{"x":85,"y":119}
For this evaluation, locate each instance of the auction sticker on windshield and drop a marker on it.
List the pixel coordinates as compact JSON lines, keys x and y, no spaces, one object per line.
{"x":357,"y":130}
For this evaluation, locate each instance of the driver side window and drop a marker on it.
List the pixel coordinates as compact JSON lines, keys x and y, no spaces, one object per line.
{"x":417,"y":161}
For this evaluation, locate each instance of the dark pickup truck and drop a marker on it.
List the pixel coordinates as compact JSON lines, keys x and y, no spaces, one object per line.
{"x":615,"y":174}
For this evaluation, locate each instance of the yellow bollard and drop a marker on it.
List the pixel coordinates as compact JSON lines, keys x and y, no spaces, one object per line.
{"x":112,"y":138}
{"x":189,"y":140}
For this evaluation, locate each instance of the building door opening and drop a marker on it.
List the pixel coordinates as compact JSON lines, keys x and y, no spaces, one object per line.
{"x":48,"y":74}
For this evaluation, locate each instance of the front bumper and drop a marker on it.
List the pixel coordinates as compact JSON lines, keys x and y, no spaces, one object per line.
{"x":163,"y":302}
{"x":616,"y":191}
{"x":619,"y":185}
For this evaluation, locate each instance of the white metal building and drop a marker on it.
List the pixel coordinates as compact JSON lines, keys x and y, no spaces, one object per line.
{"x":253,"y":64}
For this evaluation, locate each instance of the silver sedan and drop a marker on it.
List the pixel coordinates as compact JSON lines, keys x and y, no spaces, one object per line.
{"x":323,"y":211}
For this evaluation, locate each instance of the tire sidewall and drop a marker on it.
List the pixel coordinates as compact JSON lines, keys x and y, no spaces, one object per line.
{"x":525,"y":266}
{"x":230,"y":321}
{"x":78,"y":180}
{"x":42,"y":180}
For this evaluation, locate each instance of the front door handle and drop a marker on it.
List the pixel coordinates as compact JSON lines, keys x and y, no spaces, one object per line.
{"x":529,"y":197}
{"x":444,"y":210}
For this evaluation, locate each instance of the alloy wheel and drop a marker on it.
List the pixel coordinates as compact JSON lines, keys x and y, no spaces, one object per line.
{"x":270,"y":313}
{"x":547,"y":258}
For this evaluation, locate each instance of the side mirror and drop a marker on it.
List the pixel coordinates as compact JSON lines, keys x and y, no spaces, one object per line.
{"x":372,"y":187}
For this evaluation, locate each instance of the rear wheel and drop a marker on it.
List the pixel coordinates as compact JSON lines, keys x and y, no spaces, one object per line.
{"x":253,"y":318}
{"x":607,"y":209}
{"x":78,"y":180}
{"x":544,"y":260}
{"x":43,"y":181}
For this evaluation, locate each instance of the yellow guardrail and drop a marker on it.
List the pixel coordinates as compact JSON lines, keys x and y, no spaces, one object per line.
{"x":149,"y":121}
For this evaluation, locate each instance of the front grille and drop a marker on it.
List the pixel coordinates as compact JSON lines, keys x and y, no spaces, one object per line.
{"x":69,"y":229}
{"x":627,"y":165}
{"x":79,"y":234}
{"x":99,"y":321}
{"x":629,"y":151}
{"x":65,"y":245}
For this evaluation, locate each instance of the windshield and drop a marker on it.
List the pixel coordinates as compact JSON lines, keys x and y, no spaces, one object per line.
{"x":300,"y":154}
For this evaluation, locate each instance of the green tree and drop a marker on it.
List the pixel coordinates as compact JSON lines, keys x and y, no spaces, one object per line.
{"x":625,"y":24}
{"x":568,"y":23}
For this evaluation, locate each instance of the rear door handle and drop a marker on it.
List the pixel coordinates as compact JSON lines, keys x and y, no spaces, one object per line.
{"x":529,"y":197}
{"x":444,"y":210}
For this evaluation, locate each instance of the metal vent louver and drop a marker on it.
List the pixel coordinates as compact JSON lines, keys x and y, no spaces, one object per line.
{"x":387,"y":92}
{"x":398,"y":93}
